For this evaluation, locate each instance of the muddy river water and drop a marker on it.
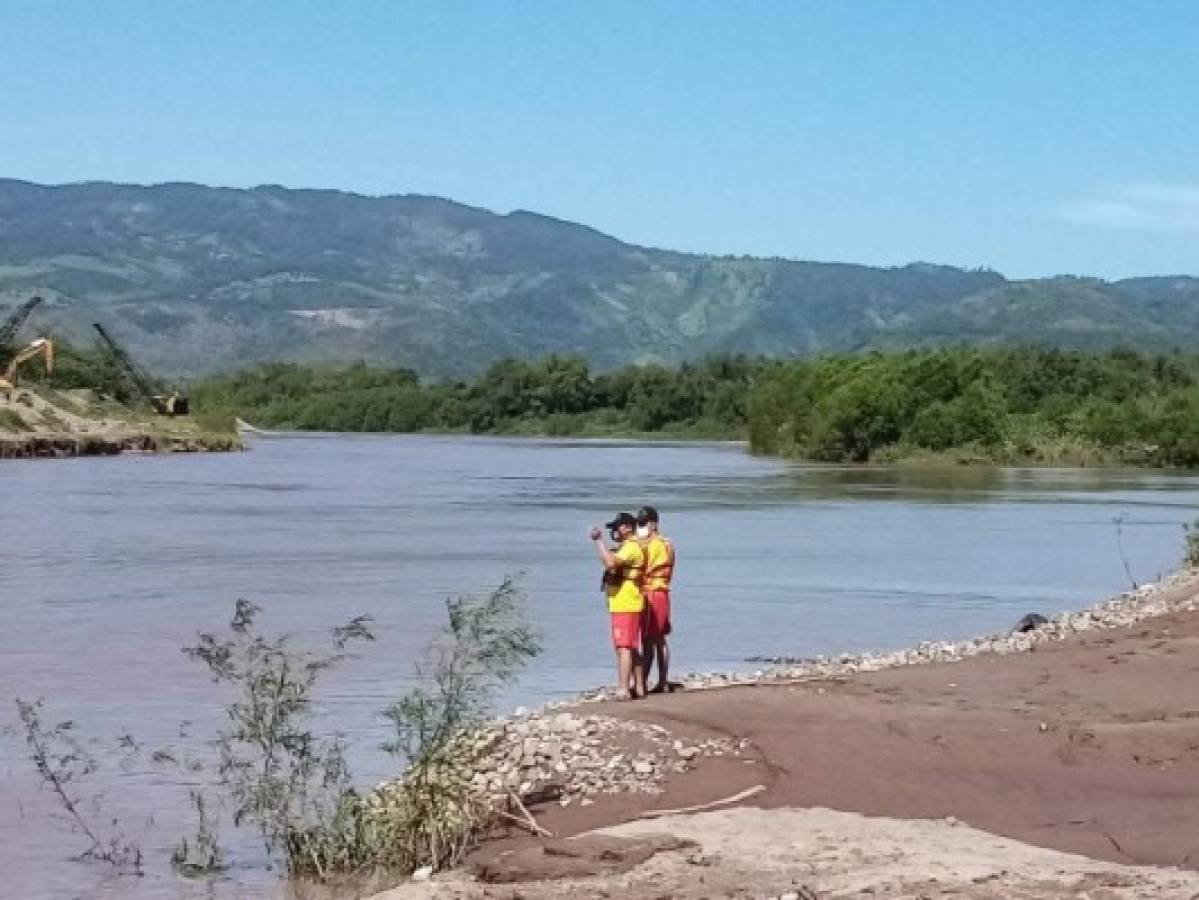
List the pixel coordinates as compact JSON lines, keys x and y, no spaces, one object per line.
{"x":109,"y":566}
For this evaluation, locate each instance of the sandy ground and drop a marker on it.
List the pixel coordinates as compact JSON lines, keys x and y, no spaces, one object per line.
{"x":749,"y":852}
{"x":1066,"y":771}
{"x":76,"y":423}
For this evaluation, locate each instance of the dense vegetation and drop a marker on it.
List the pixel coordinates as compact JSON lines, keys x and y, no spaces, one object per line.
{"x":552,"y":396}
{"x":1011,"y":406}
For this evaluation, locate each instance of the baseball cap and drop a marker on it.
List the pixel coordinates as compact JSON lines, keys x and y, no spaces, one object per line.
{"x":623,"y":518}
{"x":647,"y":514}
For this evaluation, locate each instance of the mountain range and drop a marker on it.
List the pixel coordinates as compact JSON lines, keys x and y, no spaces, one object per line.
{"x":194,"y":279}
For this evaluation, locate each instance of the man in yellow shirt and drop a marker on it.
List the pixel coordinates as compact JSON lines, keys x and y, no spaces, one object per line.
{"x":623,"y":571}
{"x":659,"y":570}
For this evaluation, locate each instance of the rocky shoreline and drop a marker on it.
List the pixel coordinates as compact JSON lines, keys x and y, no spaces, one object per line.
{"x":1059,"y":740}
{"x":67,"y":446}
{"x":1147,"y":601}
{"x":560,"y":753}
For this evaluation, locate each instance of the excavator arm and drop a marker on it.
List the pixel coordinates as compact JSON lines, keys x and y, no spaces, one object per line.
{"x":43,"y":347}
{"x":40,"y":347}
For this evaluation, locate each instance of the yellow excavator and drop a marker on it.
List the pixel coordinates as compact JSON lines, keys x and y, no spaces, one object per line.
{"x":41,"y":347}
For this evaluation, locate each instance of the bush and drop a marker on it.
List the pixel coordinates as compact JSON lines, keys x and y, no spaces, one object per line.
{"x":1191,"y":557}
{"x":276,"y":772}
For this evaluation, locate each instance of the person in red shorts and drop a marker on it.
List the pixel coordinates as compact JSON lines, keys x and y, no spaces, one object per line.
{"x":623,"y":569}
{"x":655,"y":620}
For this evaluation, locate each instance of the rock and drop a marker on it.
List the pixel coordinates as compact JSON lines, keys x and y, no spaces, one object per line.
{"x":423,"y":874}
{"x":1029,"y":623}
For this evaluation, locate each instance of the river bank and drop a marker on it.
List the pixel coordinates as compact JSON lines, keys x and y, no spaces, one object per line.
{"x":1071,"y":743}
{"x":40,"y":423}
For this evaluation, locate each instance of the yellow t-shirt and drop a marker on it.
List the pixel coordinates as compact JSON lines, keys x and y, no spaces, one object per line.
{"x":659,"y":567}
{"x":625,"y":594}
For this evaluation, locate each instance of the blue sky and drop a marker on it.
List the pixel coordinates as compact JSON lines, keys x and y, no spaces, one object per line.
{"x":1035,"y":138}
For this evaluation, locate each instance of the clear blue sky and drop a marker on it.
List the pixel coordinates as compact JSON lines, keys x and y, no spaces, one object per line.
{"x":1033,"y":137}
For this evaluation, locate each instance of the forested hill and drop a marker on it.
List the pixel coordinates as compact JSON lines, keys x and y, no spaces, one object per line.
{"x":196,"y":279}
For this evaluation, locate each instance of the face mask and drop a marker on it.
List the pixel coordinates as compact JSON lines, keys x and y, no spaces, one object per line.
{"x":643,"y":531}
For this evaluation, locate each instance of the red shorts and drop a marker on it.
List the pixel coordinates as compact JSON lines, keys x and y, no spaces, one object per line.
{"x":626,"y":630}
{"x":655,"y":621}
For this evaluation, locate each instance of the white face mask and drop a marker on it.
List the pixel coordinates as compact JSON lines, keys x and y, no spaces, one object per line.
{"x":643,"y":532}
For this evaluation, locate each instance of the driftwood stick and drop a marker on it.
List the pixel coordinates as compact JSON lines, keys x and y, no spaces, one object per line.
{"x":528,"y":816}
{"x":658,"y":813}
{"x":519,"y":822}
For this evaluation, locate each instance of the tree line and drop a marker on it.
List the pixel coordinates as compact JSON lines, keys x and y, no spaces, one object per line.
{"x":551,"y":396}
{"x":1015,"y":405}
{"x":1026,"y":405}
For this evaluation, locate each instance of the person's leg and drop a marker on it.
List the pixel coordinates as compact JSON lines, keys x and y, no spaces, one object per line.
{"x":658,"y":604}
{"x":647,"y":653}
{"x":638,"y":675}
{"x":624,"y":669}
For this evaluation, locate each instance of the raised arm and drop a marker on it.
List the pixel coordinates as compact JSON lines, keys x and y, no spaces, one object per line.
{"x":606,"y":556}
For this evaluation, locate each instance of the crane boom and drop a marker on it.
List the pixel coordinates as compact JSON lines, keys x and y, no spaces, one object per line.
{"x":173,"y":405}
{"x":135,"y":372}
{"x":13,"y":323}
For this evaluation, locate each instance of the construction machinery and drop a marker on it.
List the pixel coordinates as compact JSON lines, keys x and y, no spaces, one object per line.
{"x":11,"y":325}
{"x":172,"y":404}
{"x":43,"y":347}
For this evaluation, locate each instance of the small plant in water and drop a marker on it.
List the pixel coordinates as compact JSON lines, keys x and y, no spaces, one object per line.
{"x":202,"y":854}
{"x":275,"y":771}
{"x":1119,"y":520}
{"x":482,"y":649}
{"x":431,"y":817}
{"x":63,"y":764}
{"x":1191,"y":556}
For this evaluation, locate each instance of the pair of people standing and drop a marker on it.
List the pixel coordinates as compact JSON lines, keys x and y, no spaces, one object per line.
{"x":637,"y":576}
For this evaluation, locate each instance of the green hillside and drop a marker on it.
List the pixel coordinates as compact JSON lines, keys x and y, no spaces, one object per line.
{"x":197,"y":279}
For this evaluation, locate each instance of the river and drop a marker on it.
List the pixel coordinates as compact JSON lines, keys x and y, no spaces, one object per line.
{"x":111,"y":565}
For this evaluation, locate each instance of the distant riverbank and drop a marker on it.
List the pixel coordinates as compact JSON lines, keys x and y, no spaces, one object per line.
{"x":41,"y":423}
{"x":1016,"y":407}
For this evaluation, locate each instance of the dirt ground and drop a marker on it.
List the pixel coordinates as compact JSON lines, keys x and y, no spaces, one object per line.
{"x":1089,"y":746}
{"x":817,"y":853}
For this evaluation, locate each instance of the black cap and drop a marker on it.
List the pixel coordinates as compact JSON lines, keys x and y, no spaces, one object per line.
{"x":623,"y":518}
{"x":647,"y":514}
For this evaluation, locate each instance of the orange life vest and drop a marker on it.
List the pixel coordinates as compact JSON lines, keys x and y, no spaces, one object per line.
{"x":658,"y":573}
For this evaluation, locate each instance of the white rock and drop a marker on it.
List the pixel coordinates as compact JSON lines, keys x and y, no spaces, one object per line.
{"x":423,"y":874}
